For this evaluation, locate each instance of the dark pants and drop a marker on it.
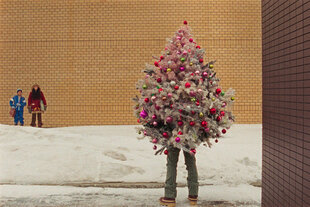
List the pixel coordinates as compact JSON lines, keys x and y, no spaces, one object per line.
{"x":192,"y":178}
{"x":33,"y":121}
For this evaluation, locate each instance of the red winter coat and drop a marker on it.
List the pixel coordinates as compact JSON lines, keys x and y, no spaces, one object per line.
{"x":35,"y":103}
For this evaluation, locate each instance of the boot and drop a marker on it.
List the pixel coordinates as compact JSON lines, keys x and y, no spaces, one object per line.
{"x":169,"y":202}
{"x":40,"y":120}
{"x":33,"y":120}
{"x":192,"y":200}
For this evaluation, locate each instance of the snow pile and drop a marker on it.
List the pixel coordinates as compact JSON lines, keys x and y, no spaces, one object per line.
{"x":112,"y":153}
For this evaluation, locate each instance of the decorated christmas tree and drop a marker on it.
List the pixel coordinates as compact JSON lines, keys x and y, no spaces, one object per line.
{"x":181,"y":103}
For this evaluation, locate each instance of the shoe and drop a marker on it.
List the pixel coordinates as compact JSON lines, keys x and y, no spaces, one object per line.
{"x":33,"y":125}
{"x":15,"y":124}
{"x":21,"y":124}
{"x":192,"y":200}
{"x":169,"y":202}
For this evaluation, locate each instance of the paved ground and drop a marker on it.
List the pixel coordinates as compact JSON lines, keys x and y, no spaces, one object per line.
{"x":65,"y":196}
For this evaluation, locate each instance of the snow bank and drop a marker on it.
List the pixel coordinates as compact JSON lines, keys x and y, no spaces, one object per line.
{"x":112,"y":153}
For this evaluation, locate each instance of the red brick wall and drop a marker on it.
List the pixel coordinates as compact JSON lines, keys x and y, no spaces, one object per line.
{"x":286,"y":103}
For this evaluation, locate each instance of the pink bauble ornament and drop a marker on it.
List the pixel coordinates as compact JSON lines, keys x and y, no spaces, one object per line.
{"x":204,"y":74}
{"x":182,"y":68}
{"x":199,"y":90}
{"x":207,"y":129}
{"x":169,"y":119}
{"x":223,"y":104}
{"x":144,"y":133}
{"x":147,"y":76}
{"x":154,"y":140}
{"x":154,"y":116}
{"x":157,"y":107}
{"x":143,"y":114}
{"x":165,"y":134}
{"x":153,"y":98}
{"x":197,"y":72}
{"x":155,"y":123}
{"x":177,"y":139}
{"x":184,"y":52}
{"x":169,"y":95}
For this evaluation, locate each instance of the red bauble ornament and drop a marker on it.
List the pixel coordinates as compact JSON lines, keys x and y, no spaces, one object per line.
{"x":212,"y":111}
{"x":191,"y":40}
{"x":218,"y":90}
{"x":197,"y":103}
{"x":216,"y":141}
{"x":165,"y":134}
{"x":222,"y":113}
{"x":193,"y":151}
{"x":180,"y":133}
{"x":146,"y":100}
{"x":171,"y":106}
{"x":176,"y":87}
{"x":219,"y":118}
{"x":138,"y":120}
{"x":204,"y":124}
{"x":192,"y":123}
{"x":187,"y":85}
{"x":180,"y":123}
{"x":161,"y":57}
{"x":156,"y":63}
{"x":193,"y":112}
{"x":155,"y":147}
{"x":201,"y":60}
{"x":160,"y":89}
{"x":157,"y":107}
{"x":158,"y":80}
{"x":154,"y":140}
{"x":198,"y":46}
{"x":185,"y":22}
{"x":166,"y":152}
{"x":180,"y":110}
{"x":223,"y":131}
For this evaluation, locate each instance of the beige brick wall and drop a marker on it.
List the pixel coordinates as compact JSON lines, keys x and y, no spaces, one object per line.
{"x":87,"y":55}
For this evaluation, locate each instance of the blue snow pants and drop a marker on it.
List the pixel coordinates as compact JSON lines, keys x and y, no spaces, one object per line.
{"x":19,"y":116}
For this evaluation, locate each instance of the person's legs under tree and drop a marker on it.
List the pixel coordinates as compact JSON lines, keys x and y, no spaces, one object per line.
{"x":172,"y":161}
{"x":192,"y":178}
{"x":40,"y":120}
{"x":33,"y":120}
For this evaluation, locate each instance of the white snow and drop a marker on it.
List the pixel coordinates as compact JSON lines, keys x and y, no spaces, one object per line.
{"x":112,"y":153}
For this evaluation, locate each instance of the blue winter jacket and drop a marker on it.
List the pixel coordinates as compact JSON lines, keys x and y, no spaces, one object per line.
{"x":19,"y":106}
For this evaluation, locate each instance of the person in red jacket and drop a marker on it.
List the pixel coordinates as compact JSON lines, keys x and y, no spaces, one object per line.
{"x":36,"y":104}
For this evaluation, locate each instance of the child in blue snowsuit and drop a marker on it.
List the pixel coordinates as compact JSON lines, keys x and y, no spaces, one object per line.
{"x":18,"y":102}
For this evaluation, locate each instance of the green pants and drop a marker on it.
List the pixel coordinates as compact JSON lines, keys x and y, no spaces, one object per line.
{"x":192,"y":178}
